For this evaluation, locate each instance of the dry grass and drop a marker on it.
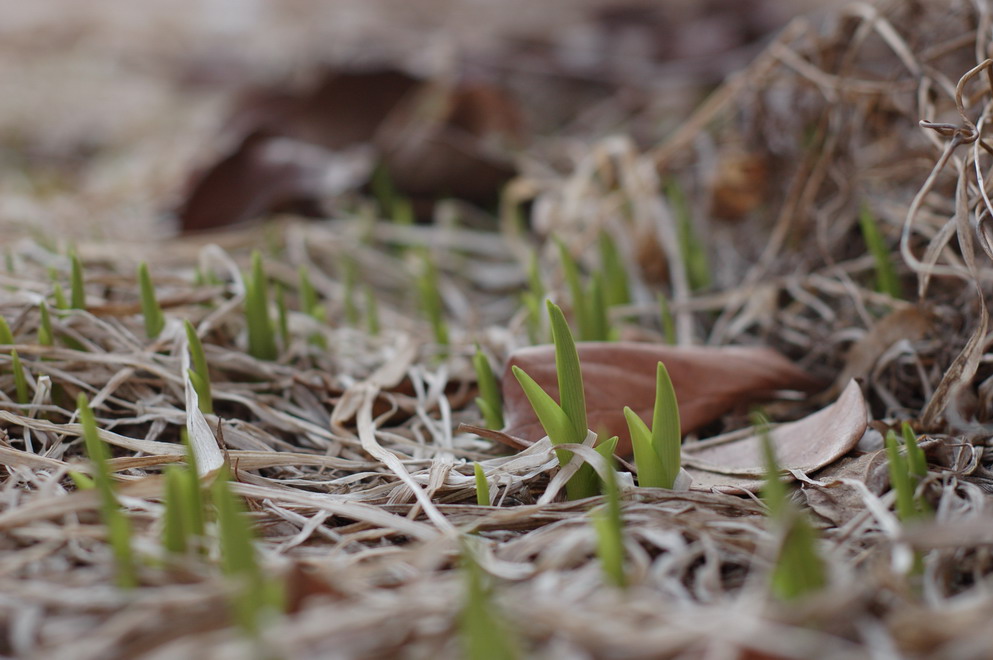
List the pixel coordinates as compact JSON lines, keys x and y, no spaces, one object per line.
{"x":357,"y":480}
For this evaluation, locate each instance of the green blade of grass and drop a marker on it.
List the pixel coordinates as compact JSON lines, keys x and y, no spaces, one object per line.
{"x":559,"y":429}
{"x":282,"y":318}
{"x":666,"y":433}
{"x":81,"y":481}
{"x":430,"y":298}
{"x":667,"y":321}
{"x":174,"y":529}
{"x":20,"y":380}
{"x":6,"y":336}
{"x":78,"y":290}
{"x":570,"y":272}
{"x":887,"y":280}
{"x":599,"y":320}
{"x":650,"y":471}
{"x":483,"y":632}
{"x":482,"y":486}
{"x":616,"y":288}
{"x":150,"y":308}
{"x":916,"y":460}
{"x":569,"y":373}
{"x":371,"y":312}
{"x":900,"y":479}
{"x":489,"y":392}
{"x":199,"y":373}
{"x":46,"y":337}
{"x":261,"y":334}
{"x":117,"y":523}
{"x":308,"y":295}
{"x":608,"y":524}
{"x":59,"y":296}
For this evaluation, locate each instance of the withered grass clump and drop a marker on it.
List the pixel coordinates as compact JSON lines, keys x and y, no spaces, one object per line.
{"x":746,"y":224}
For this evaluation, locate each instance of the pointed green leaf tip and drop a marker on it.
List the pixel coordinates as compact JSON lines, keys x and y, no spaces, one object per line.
{"x":570,"y":376}
{"x":78,"y":290}
{"x":666,"y":433}
{"x":261,"y":333}
{"x":489,"y":400}
{"x":150,"y":309}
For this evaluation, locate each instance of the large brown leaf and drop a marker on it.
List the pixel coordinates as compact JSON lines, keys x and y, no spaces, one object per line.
{"x":708,"y":382}
{"x":734,"y":464}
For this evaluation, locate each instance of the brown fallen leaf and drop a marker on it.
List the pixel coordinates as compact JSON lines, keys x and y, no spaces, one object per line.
{"x":734,"y":463}
{"x":296,"y":149}
{"x":708,"y":382}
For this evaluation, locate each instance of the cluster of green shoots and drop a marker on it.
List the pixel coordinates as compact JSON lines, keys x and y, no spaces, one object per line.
{"x":907,"y":470}
{"x":607,"y":287}
{"x":185,"y":531}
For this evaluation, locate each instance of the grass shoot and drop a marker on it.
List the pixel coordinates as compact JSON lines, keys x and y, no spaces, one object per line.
{"x":666,"y":320}
{"x":887,"y":280}
{"x":150,"y":308}
{"x":430,"y":298}
{"x":609,"y":527}
{"x":20,"y":380}
{"x":484,"y":634}
{"x":694,"y":255}
{"x":489,"y":401}
{"x":77,"y":287}
{"x":482,"y":486}
{"x":799,"y":569}
{"x":117,"y":523}
{"x":261,"y":334}
{"x":371,"y":311}
{"x":46,"y":336}
{"x":199,"y":373}
{"x":904,"y":475}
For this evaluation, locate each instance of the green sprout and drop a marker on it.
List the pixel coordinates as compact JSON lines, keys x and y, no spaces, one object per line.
{"x":371,"y":311}
{"x":609,"y":527}
{"x":46,"y":337}
{"x":6,"y":336}
{"x":482,"y":486}
{"x":150,"y":308}
{"x":666,"y":320}
{"x":617,"y":290}
{"x":564,"y":423}
{"x":58,"y":294}
{"x":692,"y":249}
{"x":799,"y":569}
{"x":261,"y":335}
{"x":199,"y":374}
{"x":20,"y":380}
{"x":175,"y":534}
{"x":887,"y":280}
{"x":657,"y":452}
{"x":532,"y":300}
{"x":117,"y":523}
{"x":489,"y":401}
{"x":78,"y":290}
{"x":430,"y":299}
{"x":258,"y":596}
{"x":905,"y":473}
{"x":309,"y":305}
{"x":484,"y":633}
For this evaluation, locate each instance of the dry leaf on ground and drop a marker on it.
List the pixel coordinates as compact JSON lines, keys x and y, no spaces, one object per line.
{"x":708,"y":382}
{"x":734,"y":463}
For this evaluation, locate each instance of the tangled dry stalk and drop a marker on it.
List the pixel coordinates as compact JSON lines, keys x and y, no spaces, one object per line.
{"x":348,"y":456}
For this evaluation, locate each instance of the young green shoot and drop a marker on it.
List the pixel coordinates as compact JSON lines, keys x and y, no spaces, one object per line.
{"x":609,"y":527}
{"x":20,"y":380}
{"x":150,"y":308}
{"x":371,"y":311}
{"x":258,"y":596}
{"x":566,"y":422}
{"x":199,"y":373}
{"x":692,"y":250}
{"x":175,"y":534}
{"x":799,"y":569}
{"x":6,"y":336}
{"x":616,"y":289}
{"x":58,"y":293}
{"x":77,"y":290}
{"x":532,"y":301}
{"x":903,"y":478}
{"x":570,"y":271}
{"x":430,"y":299}
{"x":46,"y":337}
{"x":916,"y":460}
{"x":657,"y":452}
{"x":117,"y":523}
{"x":667,"y":321}
{"x":887,"y":280}
{"x":484,"y":634}
{"x":482,"y":486}
{"x":261,"y":334}
{"x":308,"y":295}
{"x":489,"y":400}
